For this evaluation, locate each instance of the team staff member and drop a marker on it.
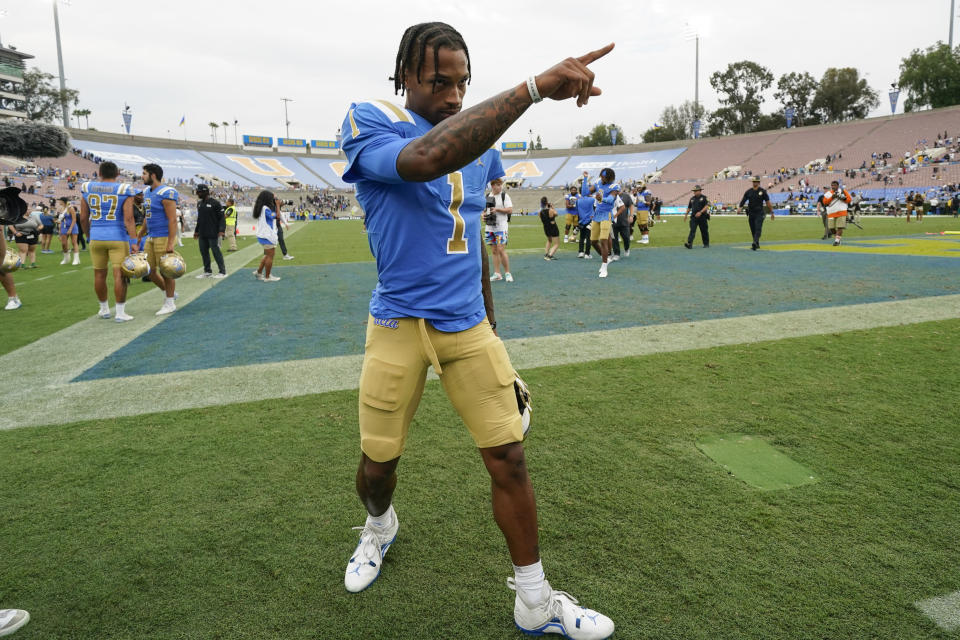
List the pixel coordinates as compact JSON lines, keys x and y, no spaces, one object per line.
{"x":160,"y":204}
{"x":548,"y":216}
{"x":698,"y":210}
{"x":837,"y":201}
{"x":420,"y":173}
{"x":586,"y":204}
{"x":211,"y":226}
{"x":230,"y":218}
{"x":757,"y":201}
{"x":106,"y":216}
{"x":622,"y":226}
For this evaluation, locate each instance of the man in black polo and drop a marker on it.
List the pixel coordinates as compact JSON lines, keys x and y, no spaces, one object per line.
{"x":757,"y":202}
{"x":698,"y":209}
{"x":211,"y":226}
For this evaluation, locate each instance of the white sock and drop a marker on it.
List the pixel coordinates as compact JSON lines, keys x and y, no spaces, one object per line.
{"x":382,"y":521}
{"x":529,"y":581}
{"x":104,"y":306}
{"x":120,"y":308}
{"x":168,"y":300}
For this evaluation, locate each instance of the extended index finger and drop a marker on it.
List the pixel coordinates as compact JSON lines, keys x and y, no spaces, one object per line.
{"x":596,"y":55}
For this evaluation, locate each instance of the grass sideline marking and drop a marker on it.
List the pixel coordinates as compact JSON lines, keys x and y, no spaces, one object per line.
{"x":943,"y":610}
{"x":755,"y":462}
{"x":55,"y":400}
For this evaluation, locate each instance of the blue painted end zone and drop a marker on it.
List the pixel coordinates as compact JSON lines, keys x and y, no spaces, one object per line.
{"x":320,"y":311}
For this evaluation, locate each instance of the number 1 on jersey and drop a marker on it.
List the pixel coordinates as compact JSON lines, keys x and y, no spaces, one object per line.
{"x":456,"y":243}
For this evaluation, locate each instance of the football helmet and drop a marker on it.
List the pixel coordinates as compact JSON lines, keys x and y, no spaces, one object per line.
{"x":135,"y":265}
{"x":524,"y":406}
{"x":172,"y":265}
{"x":11,"y":262}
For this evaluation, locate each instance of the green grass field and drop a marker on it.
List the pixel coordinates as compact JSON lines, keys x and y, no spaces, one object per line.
{"x":235,"y":521}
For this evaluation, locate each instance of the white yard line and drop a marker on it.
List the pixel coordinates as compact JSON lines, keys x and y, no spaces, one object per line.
{"x":56,"y":400}
{"x":944,"y":611}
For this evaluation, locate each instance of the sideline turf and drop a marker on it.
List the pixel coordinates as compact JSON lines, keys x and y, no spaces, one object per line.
{"x":755,"y":462}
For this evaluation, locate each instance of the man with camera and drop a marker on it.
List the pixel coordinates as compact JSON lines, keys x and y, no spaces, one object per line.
{"x":497,"y":219}
{"x":211,"y":226}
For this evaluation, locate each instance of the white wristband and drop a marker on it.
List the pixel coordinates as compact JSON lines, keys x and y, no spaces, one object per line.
{"x":532,"y":88}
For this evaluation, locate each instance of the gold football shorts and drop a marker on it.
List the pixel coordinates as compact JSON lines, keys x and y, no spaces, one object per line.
{"x":155,"y":248}
{"x":103,"y":251}
{"x":473,"y":367}
{"x":600,"y":230}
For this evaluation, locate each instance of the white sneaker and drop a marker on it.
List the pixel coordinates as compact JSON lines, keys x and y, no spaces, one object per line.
{"x":626,"y":254}
{"x":271,"y":279}
{"x":603,"y":270}
{"x":588,"y":257}
{"x":218,"y":276}
{"x":645,"y":240}
{"x":288,"y":257}
{"x":580,"y":255}
{"x":507,"y":277}
{"x":496,"y":276}
{"x":566,"y":239}
{"x":76,"y":260}
{"x":123,"y":317}
{"x":615,"y":258}
{"x":559,"y":613}
{"x":836,"y":242}
{"x":367,"y":558}
{"x":166,"y":308}
{"x":103,"y":315}
{"x":258,"y":275}
{"x":12,"y":619}
{"x":204,"y":275}
{"x":66,"y":258}
{"x":13,"y":303}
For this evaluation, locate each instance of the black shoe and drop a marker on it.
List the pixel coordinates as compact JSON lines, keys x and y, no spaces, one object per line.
{"x":755,"y":246}
{"x":688,"y":245}
{"x":706,"y":246}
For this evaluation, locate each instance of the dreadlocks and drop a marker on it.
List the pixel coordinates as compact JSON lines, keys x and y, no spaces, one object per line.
{"x":413,"y":49}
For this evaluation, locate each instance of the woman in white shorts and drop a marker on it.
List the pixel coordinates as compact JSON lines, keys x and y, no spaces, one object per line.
{"x":265,"y":213}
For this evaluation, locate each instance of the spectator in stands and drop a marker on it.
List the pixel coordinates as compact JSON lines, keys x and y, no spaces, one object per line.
{"x":230,"y":217}
{"x":69,"y":228}
{"x":211,"y":225}
{"x":757,"y":201}
{"x":500,"y":206}
{"x":698,"y":210}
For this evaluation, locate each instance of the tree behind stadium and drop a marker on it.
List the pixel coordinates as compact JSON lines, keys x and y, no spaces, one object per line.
{"x":600,"y":136}
{"x":740,"y":91}
{"x":931,"y":78}
{"x":843,"y":95}
{"x":44,"y":101}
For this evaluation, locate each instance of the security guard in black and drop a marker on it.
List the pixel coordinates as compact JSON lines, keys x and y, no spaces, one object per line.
{"x":757,"y":201}
{"x":211,"y":226}
{"x":698,"y":210}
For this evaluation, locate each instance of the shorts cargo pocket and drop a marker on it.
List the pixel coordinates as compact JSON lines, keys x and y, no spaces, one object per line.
{"x":381,"y":384}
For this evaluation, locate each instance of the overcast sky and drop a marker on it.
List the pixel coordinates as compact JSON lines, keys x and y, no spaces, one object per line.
{"x":221,"y":61}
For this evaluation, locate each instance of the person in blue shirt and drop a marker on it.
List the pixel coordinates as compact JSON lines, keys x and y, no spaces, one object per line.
{"x":586,"y":204}
{"x":160,"y":229}
{"x":420,"y":173}
{"x":106,"y":215}
{"x":46,"y":228}
{"x":607,"y":195}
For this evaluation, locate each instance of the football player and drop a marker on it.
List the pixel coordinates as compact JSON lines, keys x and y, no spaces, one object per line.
{"x":643,"y":200}
{"x":160,"y":228}
{"x":420,"y":173}
{"x":106,"y":216}
{"x":570,"y":218}
{"x":607,"y":202}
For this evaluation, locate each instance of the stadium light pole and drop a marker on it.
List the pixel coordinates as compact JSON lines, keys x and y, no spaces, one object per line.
{"x":286,"y":117}
{"x":63,"y":84}
{"x":235,"y":132}
{"x":693,"y":34}
{"x":953,"y":18}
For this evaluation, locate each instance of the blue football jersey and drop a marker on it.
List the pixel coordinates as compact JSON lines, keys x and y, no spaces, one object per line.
{"x":641,"y":200}
{"x":571,"y":202}
{"x":105,"y":201}
{"x":605,"y":207}
{"x":155,"y":216}
{"x":424,"y":236}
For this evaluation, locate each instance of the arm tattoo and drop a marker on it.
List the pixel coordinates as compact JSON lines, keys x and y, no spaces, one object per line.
{"x":459,"y":140}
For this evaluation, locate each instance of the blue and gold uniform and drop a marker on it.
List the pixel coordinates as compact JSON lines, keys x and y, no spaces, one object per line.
{"x":603,"y":214}
{"x":109,"y":241}
{"x":427,"y":308}
{"x":156,"y":217}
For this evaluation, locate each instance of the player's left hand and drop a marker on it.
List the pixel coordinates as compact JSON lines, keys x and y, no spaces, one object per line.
{"x":571,"y":78}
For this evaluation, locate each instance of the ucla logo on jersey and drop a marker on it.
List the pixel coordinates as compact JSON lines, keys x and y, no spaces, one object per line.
{"x":389,"y":323}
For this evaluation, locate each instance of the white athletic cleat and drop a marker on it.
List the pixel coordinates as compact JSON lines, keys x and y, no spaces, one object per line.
{"x":367,"y":558}
{"x":603,"y":269}
{"x":13,"y":303}
{"x":271,"y":279}
{"x":66,"y":259}
{"x":103,"y":315}
{"x":559,"y":613}
{"x":836,"y":242}
{"x":218,"y":276}
{"x":258,"y":275}
{"x":76,"y":260}
{"x":496,"y":276}
{"x":288,"y":257}
{"x":123,"y":317}
{"x":12,"y":619}
{"x":167,"y":308}
{"x":507,"y":277}
{"x":615,"y":258}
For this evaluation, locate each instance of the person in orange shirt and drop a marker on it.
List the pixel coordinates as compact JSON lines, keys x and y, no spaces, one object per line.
{"x":836,"y":201}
